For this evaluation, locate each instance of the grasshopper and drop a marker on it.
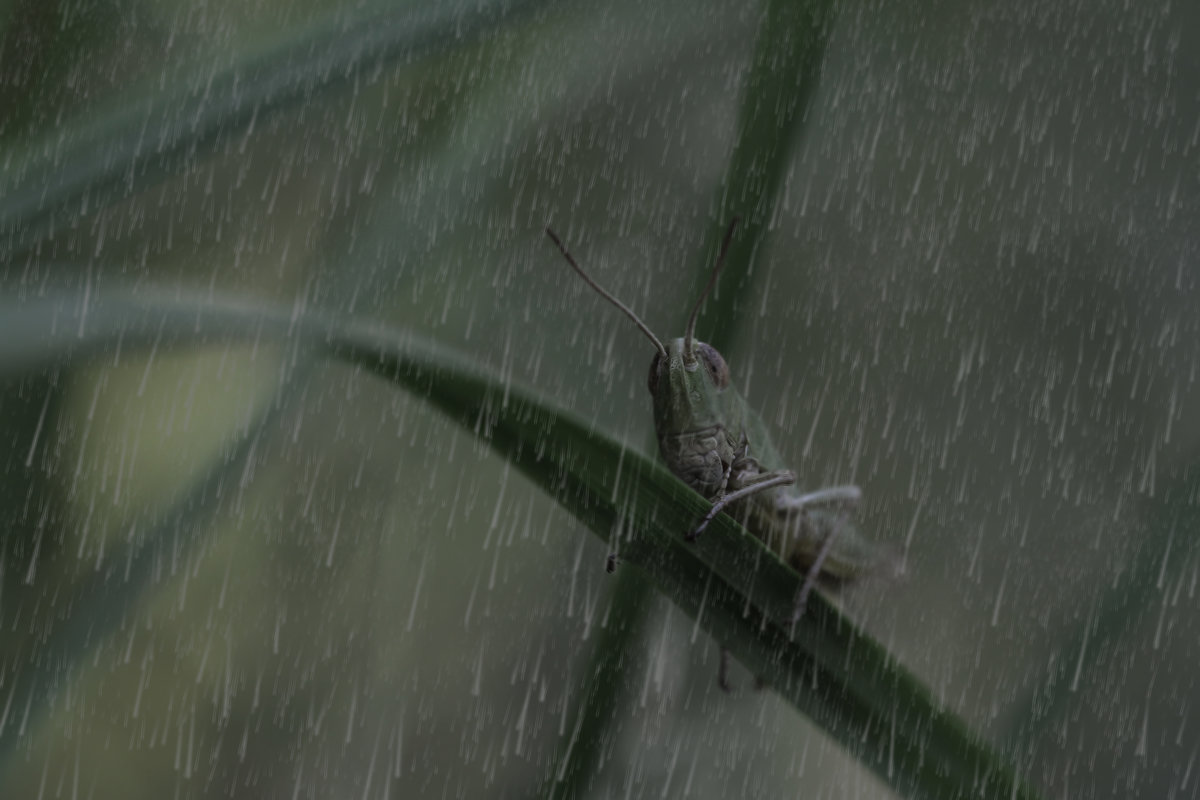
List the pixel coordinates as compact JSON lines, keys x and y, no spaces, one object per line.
{"x":714,"y":442}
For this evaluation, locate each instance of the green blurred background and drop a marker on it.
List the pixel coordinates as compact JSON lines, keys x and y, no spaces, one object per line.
{"x":978,"y":301}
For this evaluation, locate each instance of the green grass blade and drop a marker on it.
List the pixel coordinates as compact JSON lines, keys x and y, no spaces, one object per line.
{"x":785,"y":65}
{"x":148,"y":137}
{"x":783,"y":76}
{"x":736,"y":589}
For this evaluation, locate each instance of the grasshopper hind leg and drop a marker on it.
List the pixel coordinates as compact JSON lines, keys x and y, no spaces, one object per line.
{"x":846,"y":498}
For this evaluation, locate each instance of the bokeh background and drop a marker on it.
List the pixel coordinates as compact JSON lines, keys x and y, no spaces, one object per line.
{"x":978,"y":301}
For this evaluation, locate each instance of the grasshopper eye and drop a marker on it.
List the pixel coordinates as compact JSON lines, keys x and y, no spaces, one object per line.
{"x":718,"y":370}
{"x":655,"y":368}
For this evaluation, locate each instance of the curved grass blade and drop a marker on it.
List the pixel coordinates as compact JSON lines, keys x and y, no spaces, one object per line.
{"x":141,"y":142}
{"x":736,"y":589}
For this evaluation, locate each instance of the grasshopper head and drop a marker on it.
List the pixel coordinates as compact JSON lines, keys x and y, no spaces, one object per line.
{"x":687,"y":386}
{"x":688,"y":378}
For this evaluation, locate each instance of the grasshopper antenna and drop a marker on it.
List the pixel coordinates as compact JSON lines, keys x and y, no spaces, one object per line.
{"x":689,"y":337}
{"x":649,"y":333}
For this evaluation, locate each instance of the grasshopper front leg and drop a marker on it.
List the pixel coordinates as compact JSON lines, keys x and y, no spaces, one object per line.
{"x":766,"y":480}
